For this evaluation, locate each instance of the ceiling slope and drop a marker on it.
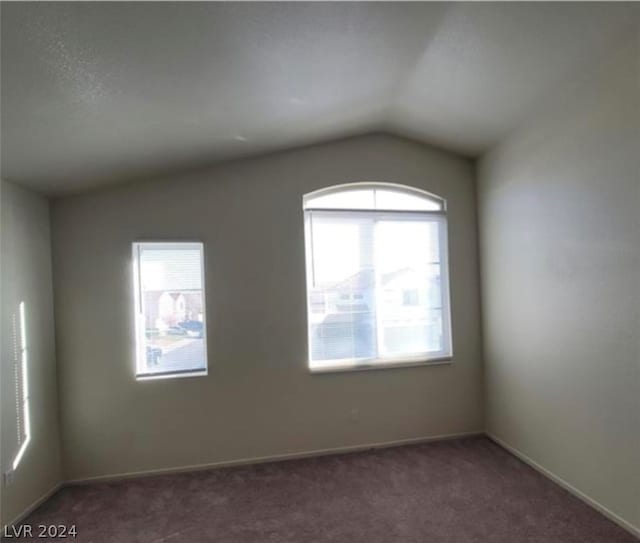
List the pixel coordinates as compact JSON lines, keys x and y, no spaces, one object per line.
{"x":98,"y":93}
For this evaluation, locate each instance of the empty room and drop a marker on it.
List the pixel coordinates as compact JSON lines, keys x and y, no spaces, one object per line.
{"x":312,"y":272}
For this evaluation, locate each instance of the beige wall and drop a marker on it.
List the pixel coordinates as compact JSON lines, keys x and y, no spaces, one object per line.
{"x":258,"y":399}
{"x":560,"y":243}
{"x":26,"y":277}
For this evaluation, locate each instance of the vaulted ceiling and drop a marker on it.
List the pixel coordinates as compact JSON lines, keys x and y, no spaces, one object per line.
{"x":98,"y":93}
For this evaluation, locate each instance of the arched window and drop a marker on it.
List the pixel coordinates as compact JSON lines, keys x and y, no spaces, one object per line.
{"x":377,"y":277}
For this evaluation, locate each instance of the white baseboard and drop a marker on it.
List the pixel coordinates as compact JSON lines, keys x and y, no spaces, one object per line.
{"x":332,"y":451}
{"x":31,"y":508}
{"x":634,"y":530}
{"x":271,"y":458}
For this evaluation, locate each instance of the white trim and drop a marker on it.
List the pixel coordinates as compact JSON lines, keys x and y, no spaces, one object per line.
{"x":634,"y":530}
{"x":399,"y":212}
{"x":377,"y":214}
{"x":274,"y":458}
{"x":382,"y":363}
{"x":373,"y":185}
{"x":31,"y":508}
{"x":171,"y":375}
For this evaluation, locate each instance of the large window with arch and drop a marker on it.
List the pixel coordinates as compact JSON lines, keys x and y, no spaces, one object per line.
{"x":377,"y":277}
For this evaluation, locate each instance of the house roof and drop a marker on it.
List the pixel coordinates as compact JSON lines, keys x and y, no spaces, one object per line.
{"x":365,"y":279}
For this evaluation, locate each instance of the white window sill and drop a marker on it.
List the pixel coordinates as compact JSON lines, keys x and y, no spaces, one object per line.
{"x":176,"y":375}
{"x":362,"y":365}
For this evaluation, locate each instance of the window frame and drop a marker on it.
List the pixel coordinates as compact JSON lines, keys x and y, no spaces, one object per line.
{"x":346,"y":187}
{"x":139,"y":331}
{"x":357,"y":364}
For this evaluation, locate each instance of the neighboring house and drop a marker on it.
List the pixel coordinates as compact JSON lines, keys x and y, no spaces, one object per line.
{"x":402,"y":290}
{"x":344,"y":314}
{"x":406,"y":294}
{"x":164,"y":309}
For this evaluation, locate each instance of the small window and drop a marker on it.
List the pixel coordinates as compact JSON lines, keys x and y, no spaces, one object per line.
{"x":170,"y":309}
{"x":384,"y":248}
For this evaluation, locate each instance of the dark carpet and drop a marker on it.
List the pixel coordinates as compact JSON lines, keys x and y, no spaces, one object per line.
{"x":467,"y":490}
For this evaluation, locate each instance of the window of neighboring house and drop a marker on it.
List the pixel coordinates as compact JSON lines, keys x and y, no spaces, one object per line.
{"x":385,"y":246}
{"x":170,"y":309}
{"x":411,"y":297}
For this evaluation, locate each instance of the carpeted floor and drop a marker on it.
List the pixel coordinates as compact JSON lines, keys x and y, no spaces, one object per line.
{"x":461,"y":491}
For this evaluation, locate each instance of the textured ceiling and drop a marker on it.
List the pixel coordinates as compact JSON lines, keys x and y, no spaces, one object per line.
{"x":97,"y":93}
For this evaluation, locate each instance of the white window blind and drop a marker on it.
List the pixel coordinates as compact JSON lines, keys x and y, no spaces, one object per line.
{"x":377,"y":282}
{"x":170,"y":309}
{"x":21,"y":380}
